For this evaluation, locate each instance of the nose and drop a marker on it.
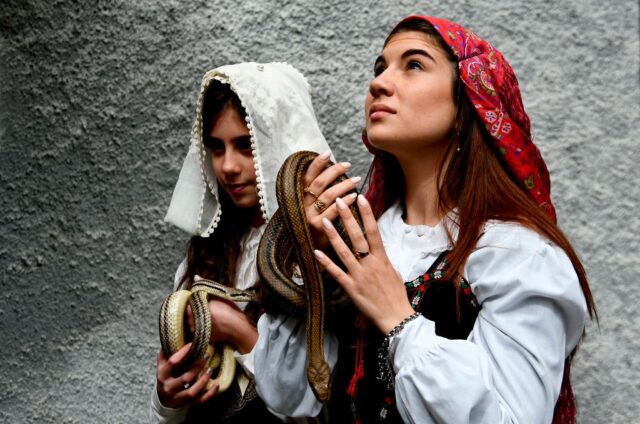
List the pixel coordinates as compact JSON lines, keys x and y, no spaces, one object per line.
{"x":230,"y":163}
{"x":381,"y":85}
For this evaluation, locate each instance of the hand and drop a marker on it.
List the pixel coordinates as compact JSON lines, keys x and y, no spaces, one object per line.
{"x":316,"y":180}
{"x":372,"y":283}
{"x":175,"y":392}
{"x":230,"y":324}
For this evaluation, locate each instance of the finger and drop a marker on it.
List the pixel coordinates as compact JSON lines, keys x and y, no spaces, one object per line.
{"x":207,"y":395}
{"x":331,"y":213}
{"x":166,"y":366}
{"x":195,"y":389}
{"x":322,"y":181}
{"x":161,"y":358}
{"x":339,"y":190}
{"x":339,"y":246}
{"x":316,"y":167}
{"x":371,"y":228}
{"x":179,"y":356}
{"x":358,"y":241}
{"x":184,"y":381}
{"x":334,"y":270}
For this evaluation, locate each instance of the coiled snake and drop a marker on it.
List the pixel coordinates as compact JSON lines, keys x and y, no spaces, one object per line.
{"x":285,"y":250}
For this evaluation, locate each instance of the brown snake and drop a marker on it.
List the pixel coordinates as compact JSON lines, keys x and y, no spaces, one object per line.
{"x":285,"y":250}
{"x":287,"y":243}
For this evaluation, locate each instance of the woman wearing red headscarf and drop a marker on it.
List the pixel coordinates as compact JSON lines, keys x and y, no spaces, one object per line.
{"x":470,"y":300}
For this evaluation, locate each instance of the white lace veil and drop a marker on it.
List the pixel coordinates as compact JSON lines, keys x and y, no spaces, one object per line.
{"x":280,"y":119}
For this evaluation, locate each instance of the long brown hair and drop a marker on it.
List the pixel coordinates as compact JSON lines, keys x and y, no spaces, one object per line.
{"x":473,"y":180}
{"x":216,"y":257}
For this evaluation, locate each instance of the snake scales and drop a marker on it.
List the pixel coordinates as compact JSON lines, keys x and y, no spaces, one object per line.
{"x":285,"y":250}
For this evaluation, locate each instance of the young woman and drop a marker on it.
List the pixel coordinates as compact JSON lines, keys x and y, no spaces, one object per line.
{"x":470,"y":300}
{"x":249,"y":118}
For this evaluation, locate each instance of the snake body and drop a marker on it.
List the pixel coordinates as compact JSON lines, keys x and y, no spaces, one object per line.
{"x":286,"y":245}
{"x":285,"y":250}
{"x":172,"y":338}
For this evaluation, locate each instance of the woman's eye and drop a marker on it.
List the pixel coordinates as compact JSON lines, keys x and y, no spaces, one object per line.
{"x":213,"y":145}
{"x":244,"y":144}
{"x":377,"y":70}
{"x":414,"y":64}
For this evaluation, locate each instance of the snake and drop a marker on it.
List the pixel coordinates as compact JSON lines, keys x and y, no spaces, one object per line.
{"x":219,"y":356}
{"x":285,"y":255}
{"x":286,"y":250}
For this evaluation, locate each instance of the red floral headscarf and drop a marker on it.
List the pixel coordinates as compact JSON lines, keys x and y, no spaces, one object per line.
{"x":492,"y":88}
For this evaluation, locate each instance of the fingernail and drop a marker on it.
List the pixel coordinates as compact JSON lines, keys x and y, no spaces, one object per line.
{"x":353,"y":196}
{"x":319,"y":254}
{"x":362,"y":201}
{"x":346,"y":164}
{"x":327,"y":224}
{"x":209,"y":370}
{"x":341,"y":204}
{"x":356,"y":180}
{"x":325,"y":155}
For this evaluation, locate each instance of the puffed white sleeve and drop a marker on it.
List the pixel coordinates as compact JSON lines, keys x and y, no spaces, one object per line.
{"x":160,"y":414}
{"x":280,"y":360}
{"x":510,"y":368}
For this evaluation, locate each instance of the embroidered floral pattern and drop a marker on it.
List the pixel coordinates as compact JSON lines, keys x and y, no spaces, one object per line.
{"x":439,"y":273}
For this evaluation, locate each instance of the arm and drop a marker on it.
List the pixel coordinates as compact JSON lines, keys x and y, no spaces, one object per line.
{"x":281,"y":365}
{"x":510,"y":368}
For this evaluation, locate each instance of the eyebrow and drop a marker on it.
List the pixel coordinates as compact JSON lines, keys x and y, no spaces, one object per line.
{"x":419,"y":52}
{"x":239,"y":139}
{"x":408,"y":53}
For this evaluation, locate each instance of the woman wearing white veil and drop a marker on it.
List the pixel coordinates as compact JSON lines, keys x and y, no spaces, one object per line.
{"x":249,"y":118}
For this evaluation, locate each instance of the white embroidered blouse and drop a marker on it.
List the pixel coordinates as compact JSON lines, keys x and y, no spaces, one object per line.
{"x":508,"y":370}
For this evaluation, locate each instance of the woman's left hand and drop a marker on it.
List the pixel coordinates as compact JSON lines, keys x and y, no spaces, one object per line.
{"x":371,"y":281}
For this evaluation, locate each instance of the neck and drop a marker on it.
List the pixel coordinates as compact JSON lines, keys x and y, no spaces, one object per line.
{"x":421,"y":187}
{"x":256,"y":219}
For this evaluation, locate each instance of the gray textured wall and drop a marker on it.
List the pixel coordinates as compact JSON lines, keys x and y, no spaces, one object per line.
{"x":96,"y":104}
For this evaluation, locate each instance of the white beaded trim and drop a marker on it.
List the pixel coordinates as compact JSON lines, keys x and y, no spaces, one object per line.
{"x":196,"y":135}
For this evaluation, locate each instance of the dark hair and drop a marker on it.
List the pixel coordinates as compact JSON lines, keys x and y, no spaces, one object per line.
{"x":474,"y":180}
{"x":215,"y":257}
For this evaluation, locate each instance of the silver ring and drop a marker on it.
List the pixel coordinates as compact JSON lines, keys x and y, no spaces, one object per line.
{"x":186,"y":386}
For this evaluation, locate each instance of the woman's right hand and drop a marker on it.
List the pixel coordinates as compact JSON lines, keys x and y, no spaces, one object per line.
{"x":176,"y":392}
{"x":319,"y":201}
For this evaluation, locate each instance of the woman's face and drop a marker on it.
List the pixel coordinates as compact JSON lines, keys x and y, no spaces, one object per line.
{"x":230,"y":145}
{"x":410,"y":103}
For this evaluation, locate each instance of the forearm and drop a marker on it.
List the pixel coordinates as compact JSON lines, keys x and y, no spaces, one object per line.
{"x":245,"y":338}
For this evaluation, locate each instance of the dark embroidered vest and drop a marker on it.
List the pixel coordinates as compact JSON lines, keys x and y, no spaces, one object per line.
{"x":232,"y":407}
{"x":357,"y":393}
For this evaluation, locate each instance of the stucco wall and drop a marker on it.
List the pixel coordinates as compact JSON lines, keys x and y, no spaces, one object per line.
{"x":96,"y":104}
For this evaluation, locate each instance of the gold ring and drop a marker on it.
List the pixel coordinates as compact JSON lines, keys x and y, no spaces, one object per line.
{"x":359,"y":255}
{"x":308,"y":190}
{"x":319,"y":205}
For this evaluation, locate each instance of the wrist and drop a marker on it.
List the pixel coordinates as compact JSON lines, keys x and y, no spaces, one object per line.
{"x":390,"y":322}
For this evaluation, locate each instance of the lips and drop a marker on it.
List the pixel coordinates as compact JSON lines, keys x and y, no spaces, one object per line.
{"x":236,"y":188}
{"x":379,"y":111}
